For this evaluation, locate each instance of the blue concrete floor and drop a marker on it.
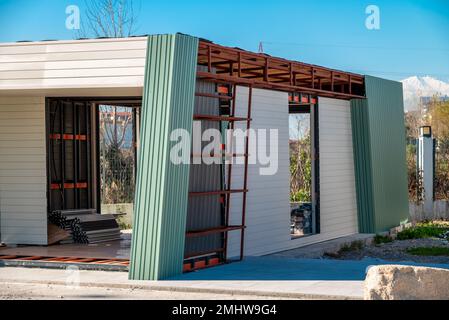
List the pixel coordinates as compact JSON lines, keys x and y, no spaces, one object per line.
{"x":278,"y":268}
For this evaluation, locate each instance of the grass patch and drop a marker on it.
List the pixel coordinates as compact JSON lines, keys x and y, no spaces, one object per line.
{"x":379,"y":239}
{"x":423,"y":230}
{"x":429,"y":251}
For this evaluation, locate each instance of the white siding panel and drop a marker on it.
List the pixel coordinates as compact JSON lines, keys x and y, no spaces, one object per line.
{"x":72,"y":56}
{"x":338,"y":208}
{"x":74,"y":46}
{"x":101,"y":63}
{"x":23,"y":199}
{"x":268,"y":208}
{"x":78,"y":64}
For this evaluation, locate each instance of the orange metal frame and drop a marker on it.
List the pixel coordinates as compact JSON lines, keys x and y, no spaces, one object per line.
{"x":201,"y":260}
{"x":262,"y":71}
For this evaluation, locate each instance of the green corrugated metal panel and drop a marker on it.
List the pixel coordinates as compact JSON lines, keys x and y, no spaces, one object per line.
{"x":379,"y":153}
{"x":362,"y":165}
{"x":157,"y":250}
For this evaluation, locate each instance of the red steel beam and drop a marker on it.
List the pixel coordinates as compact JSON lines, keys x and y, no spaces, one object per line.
{"x":205,"y":232}
{"x":231,"y":54}
{"x":218,"y":118}
{"x":277,"y":86}
{"x":245,"y":179}
{"x":202,"y":253}
{"x":217,"y":192}
{"x":211,"y":95}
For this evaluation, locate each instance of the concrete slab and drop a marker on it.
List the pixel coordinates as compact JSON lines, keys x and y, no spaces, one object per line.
{"x":270,"y":268}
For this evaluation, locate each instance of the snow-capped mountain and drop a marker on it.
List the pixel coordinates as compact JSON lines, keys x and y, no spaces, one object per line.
{"x":417,"y":87}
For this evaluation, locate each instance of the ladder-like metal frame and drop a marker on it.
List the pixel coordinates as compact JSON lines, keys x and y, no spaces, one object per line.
{"x":227,"y":191}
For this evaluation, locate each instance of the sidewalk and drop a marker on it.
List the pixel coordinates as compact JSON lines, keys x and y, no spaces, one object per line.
{"x":253,"y":277}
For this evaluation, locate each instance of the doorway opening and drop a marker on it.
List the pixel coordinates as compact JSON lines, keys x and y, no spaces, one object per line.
{"x":91,"y":169}
{"x":303,"y":149}
{"x":117,"y":153}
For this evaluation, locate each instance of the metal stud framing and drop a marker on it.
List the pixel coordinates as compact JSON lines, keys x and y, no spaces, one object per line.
{"x":227,"y":192}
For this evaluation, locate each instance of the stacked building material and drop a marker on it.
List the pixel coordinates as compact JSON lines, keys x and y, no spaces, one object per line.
{"x":86,"y":226}
{"x":301,"y":219}
{"x":56,"y":234}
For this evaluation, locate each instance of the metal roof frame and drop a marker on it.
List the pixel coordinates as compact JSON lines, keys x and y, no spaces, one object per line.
{"x":263,"y":71}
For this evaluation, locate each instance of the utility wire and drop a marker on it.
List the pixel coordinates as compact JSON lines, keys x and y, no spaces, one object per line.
{"x":421,"y":74}
{"x":351,"y":46}
{"x":397,"y":73}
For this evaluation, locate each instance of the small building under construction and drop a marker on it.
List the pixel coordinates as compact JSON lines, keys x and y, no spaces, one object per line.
{"x":190,"y":215}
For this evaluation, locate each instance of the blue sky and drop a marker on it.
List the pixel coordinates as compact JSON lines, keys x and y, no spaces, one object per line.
{"x":412,"y":40}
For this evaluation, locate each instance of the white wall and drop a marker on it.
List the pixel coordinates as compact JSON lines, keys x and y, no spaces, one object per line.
{"x":29,"y":72}
{"x":268,"y":207}
{"x":338,"y":206}
{"x":97,"y":63}
{"x":23,"y":202}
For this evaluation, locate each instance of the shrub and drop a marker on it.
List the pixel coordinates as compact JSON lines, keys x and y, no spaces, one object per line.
{"x":426,"y":251}
{"x":423,"y":230}
{"x":300,"y":196}
{"x":379,"y":239}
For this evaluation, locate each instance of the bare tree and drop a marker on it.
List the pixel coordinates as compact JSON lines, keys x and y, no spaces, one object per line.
{"x":108,"y":18}
{"x":114,"y":124}
{"x":413,"y":120}
{"x":117,"y":163}
{"x":300,"y":159}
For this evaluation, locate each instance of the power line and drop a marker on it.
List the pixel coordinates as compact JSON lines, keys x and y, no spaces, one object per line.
{"x":351,"y":46}
{"x":397,"y":73}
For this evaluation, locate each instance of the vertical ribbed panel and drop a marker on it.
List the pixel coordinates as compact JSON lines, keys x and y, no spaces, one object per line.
{"x":205,"y":212}
{"x":162,"y":187}
{"x":362,"y":165}
{"x":379,"y":145}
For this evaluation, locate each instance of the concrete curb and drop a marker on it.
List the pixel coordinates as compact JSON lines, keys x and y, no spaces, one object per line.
{"x":56,"y":265}
{"x":150,"y":287}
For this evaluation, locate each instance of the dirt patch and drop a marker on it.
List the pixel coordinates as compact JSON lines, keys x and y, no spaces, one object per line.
{"x":394,"y":251}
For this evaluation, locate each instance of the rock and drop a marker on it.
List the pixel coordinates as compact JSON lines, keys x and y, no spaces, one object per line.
{"x":394,"y":231}
{"x":397,"y":282}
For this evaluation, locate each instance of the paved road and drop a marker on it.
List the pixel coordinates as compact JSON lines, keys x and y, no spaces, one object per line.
{"x":246,"y":287}
{"x":253,"y":278}
{"x":23,"y":291}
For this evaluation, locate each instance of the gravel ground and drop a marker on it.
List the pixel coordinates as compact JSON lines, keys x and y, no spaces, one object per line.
{"x":396,"y":251}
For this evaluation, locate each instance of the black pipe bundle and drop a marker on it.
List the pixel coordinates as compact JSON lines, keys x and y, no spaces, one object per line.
{"x":86,"y":226}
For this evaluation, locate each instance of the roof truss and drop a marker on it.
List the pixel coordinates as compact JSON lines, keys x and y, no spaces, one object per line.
{"x":263,"y":71}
